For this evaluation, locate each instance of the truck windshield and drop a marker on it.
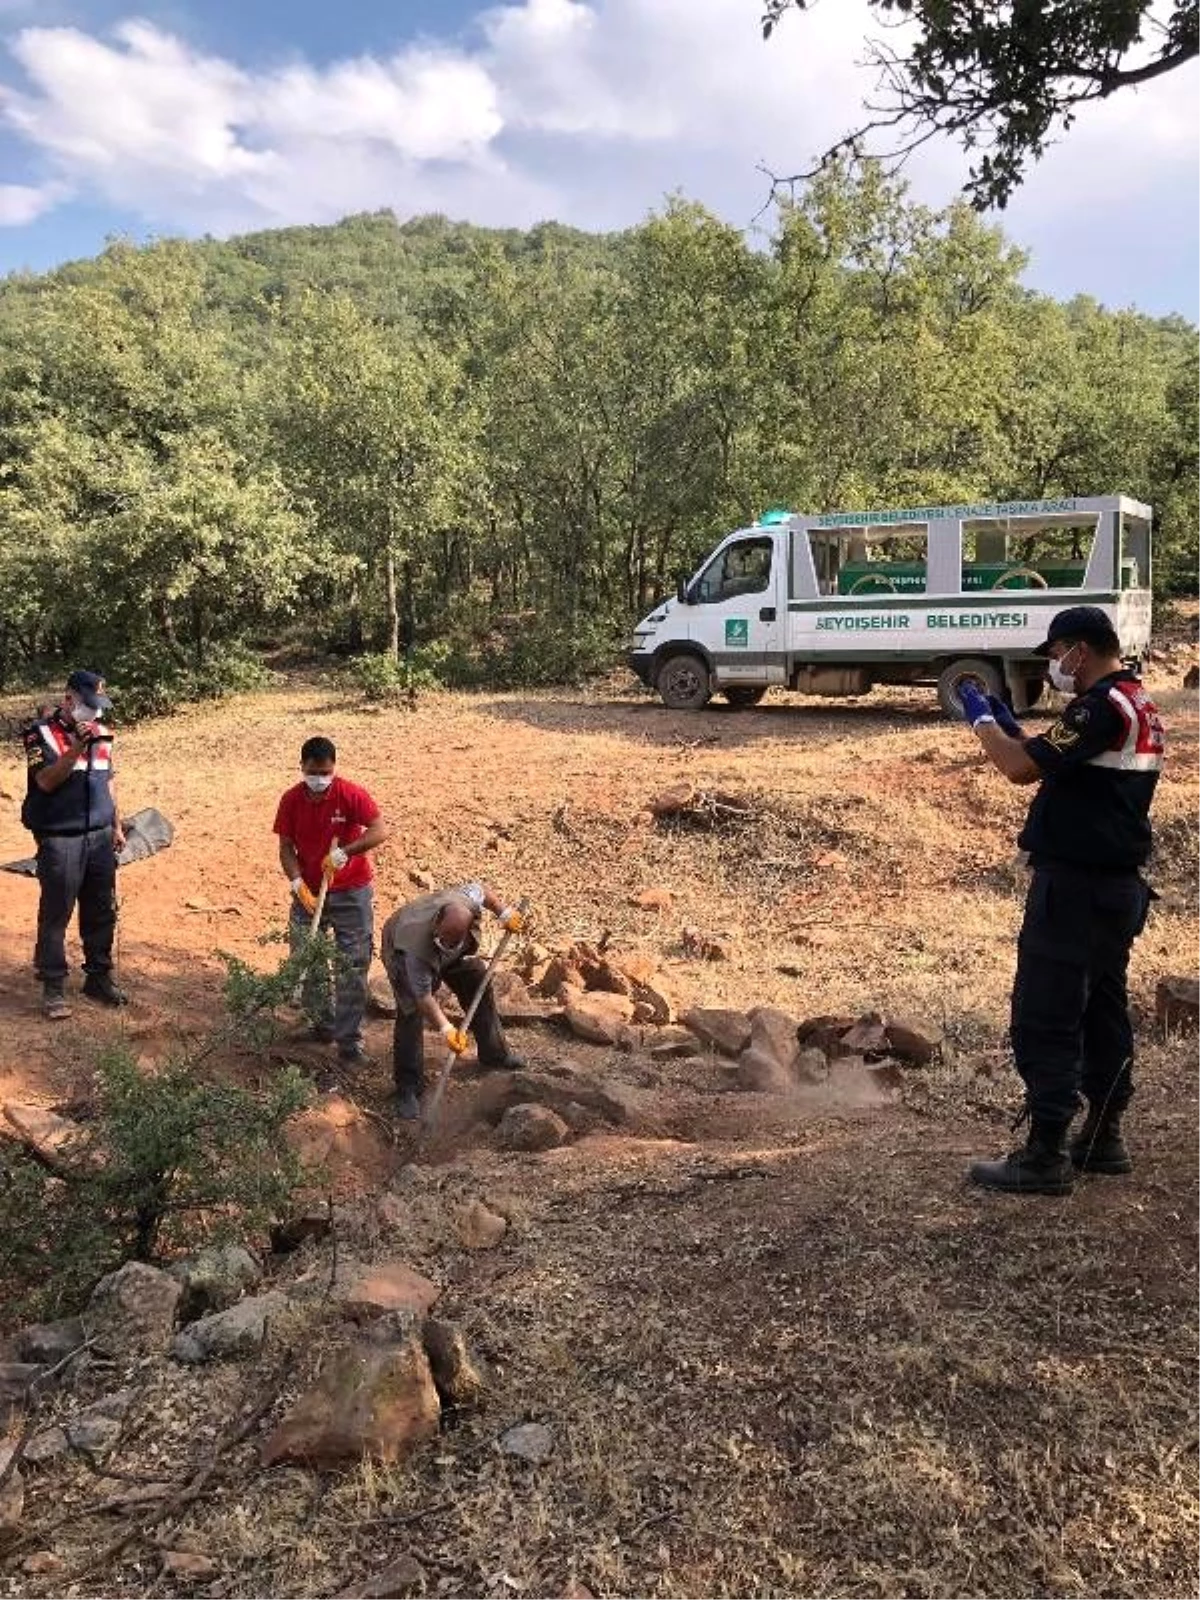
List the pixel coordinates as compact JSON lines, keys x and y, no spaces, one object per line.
{"x":741,"y":568}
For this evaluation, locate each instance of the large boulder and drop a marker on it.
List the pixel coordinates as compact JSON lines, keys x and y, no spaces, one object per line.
{"x":214,"y":1278}
{"x":132,"y":1311}
{"x":759,"y":1072}
{"x":867,"y":1036}
{"x":825,"y":1033}
{"x":673,"y":1041}
{"x":530,"y":1128}
{"x":393,"y":1286}
{"x":237,"y":1331}
{"x":773,"y":1033}
{"x":370,"y":1401}
{"x":719,"y":1027}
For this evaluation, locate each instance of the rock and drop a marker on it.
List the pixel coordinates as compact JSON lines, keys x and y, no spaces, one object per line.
{"x":601,"y":1018}
{"x":392,"y":1212}
{"x":680,"y":797}
{"x":810,"y":1066}
{"x":188,"y":1564}
{"x":652,"y":900}
{"x":95,"y":1431}
{"x":515,"y":1003}
{"x":48,"y":1343}
{"x":393,"y":1286}
{"x":866,"y":1036}
{"x":42,"y":1564}
{"x":376,"y":1401}
{"x":381,"y":1002}
{"x":1191,"y":678}
{"x":825,"y":1033}
{"x":238,"y":1331}
{"x":315,"y":1222}
{"x":15,"y":1380}
{"x":706,"y":946}
{"x":773,"y":1034}
{"x":214,"y":1278}
{"x":653,"y":998}
{"x":914,"y":1039}
{"x":574,"y":1590}
{"x":12,"y":1493}
{"x":560,"y":970}
{"x":132,"y":1310}
{"x":401,"y":1577}
{"x":670,"y":1042}
{"x":531,"y":1127}
{"x":478,"y":1228}
{"x":458,"y":1380}
{"x":1177,"y":1003}
{"x":421,"y":880}
{"x":719,"y":1027}
{"x":761,"y":1073}
{"x":559,"y":1087}
{"x":54,"y":1140}
{"x":528,"y":1441}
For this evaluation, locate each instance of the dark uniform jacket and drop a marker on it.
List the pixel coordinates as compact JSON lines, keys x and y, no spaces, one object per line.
{"x":1100,"y":764}
{"x":81,"y":804}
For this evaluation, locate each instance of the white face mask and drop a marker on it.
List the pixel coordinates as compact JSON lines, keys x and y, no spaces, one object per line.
{"x":318,"y":782}
{"x":81,"y":715}
{"x":1064,"y":682}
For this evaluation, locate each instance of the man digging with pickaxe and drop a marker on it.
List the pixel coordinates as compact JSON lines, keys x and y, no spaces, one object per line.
{"x":426,"y":943}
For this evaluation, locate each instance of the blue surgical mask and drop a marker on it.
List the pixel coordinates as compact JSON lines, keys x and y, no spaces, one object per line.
{"x":318,"y":782}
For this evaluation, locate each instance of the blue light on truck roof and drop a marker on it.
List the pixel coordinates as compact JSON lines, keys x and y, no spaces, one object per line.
{"x":772,"y":518}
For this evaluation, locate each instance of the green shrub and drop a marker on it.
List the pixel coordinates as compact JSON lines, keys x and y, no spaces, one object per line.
{"x":169,"y":1161}
{"x":386,"y":679}
{"x":145,"y":682}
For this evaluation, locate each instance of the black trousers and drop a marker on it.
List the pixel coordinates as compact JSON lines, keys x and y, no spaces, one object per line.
{"x":76,"y":871}
{"x":1070,"y":1023}
{"x":408,"y":1038}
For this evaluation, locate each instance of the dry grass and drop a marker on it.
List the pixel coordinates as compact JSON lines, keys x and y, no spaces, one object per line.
{"x":782,"y":1348}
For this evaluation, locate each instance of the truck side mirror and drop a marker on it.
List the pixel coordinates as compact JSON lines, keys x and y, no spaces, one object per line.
{"x":681,"y":593}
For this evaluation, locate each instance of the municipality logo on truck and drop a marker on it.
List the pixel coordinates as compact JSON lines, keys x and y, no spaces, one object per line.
{"x":924,"y":595}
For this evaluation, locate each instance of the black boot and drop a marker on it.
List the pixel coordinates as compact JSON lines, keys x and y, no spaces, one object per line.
{"x":1041,"y":1166}
{"x":1098,"y":1146}
{"x":100,"y":986}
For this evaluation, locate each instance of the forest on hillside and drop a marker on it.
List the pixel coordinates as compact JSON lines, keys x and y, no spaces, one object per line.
{"x":489,"y":450}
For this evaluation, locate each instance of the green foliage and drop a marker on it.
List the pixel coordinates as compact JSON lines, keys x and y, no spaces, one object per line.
{"x":387,"y":679}
{"x":168,"y":1161}
{"x":472,"y":456}
{"x":1004,"y":78}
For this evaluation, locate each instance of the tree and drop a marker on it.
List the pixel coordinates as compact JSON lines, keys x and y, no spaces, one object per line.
{"x":1003,"y":76}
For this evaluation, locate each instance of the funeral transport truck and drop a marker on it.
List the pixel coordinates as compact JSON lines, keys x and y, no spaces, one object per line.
{"x":928,"y":595}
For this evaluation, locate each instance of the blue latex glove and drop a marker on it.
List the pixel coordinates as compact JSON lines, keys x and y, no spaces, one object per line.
{"x":974,"y":703}
{"x":1004,"y":717}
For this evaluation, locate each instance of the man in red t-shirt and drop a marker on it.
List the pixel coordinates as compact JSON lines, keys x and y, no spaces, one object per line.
{"x":327,"y":827}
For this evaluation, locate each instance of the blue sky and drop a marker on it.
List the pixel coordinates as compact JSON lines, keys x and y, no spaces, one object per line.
{"x":193,"y":116}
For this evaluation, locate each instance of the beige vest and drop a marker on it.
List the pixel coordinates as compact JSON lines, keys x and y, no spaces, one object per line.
{"x":411,"y":928}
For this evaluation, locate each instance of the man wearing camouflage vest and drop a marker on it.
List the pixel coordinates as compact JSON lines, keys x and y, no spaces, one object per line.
{"x":426,"y":943}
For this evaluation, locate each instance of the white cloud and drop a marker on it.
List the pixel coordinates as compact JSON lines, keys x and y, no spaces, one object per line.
{"x":25,"y":202}
{"x":586,"y":110}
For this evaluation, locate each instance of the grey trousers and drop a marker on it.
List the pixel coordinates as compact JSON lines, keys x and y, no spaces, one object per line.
{"x":77,"y":871}
{"x":350,"y":914}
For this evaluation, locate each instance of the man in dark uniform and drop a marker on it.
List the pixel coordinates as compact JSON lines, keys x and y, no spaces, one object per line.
{"x":1087,"y":835}
{"x":424,"y":944}
{"x":71,"y":810}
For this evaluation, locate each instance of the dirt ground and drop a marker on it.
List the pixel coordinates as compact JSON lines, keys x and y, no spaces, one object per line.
{"x":783,"y":1349}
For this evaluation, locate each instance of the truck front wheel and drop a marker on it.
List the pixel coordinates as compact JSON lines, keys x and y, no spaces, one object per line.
{"x":985,"y":673}
{"x":684,"y":683}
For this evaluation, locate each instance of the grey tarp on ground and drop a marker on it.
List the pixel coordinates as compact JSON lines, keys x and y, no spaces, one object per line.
{"x":146,"y":833}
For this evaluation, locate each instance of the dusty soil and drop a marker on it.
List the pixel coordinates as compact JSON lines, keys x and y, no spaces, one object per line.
{"x":781,"y":1346}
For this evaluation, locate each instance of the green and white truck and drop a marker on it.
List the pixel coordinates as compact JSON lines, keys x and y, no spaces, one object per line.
{"x":837,"y":603}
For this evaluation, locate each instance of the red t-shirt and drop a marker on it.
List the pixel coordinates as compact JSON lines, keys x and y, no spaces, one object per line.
{"x":313,"y":822}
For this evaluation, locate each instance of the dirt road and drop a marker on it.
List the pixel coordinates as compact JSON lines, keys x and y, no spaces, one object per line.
{"x":782,"y":1348}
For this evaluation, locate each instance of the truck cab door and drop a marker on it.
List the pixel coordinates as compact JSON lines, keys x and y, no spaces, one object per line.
{"x":738,"y":608}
